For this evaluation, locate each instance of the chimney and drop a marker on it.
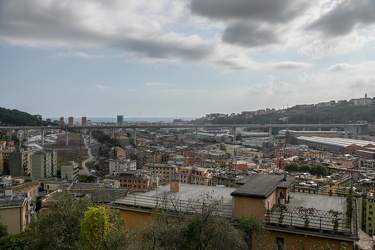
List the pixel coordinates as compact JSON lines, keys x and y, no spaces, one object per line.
{"x":174,"y":185}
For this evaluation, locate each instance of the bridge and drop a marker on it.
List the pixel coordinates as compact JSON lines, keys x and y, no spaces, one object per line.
{"x":357,"y":127}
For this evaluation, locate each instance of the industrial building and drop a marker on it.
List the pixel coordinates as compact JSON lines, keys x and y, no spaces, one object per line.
{"x":335,"y":145}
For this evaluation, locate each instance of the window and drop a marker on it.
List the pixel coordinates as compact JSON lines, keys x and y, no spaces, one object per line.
{"x":279,"y":243}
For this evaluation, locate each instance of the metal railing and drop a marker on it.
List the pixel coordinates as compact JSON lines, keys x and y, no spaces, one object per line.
{"x":314,"y":220}
{"x":176,"y":206}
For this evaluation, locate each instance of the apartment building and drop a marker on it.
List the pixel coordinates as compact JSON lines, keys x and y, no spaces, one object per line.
{"x":44,"y":164}
{"x":117,"y":166}
{"x":185,"y":174}
{"x":162,"y":171}
{"x":201,"y":176}
{"x":20,"y":162}
{"x":69,"y":170}
{"x":135,"y":180}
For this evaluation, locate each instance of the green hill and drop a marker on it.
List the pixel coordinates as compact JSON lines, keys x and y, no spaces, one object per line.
{"x":13,"y":117}
{"x":339,"y":112}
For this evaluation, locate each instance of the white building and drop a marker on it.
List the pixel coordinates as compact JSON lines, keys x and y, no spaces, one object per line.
{"x":121,"y":165}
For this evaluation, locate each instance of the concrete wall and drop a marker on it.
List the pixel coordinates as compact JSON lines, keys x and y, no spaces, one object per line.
{"x":245,"y":206}
{"x":301,"y":241}
{"x":12,"y":217}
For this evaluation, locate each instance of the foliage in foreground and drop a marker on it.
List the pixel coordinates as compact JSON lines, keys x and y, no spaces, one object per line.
{"x":72,"y":223}
{"x":102,"y":228}
{"x":58,"y":227}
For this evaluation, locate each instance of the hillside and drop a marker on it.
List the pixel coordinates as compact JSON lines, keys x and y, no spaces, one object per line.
{"x":14,"y":117}
{"x":339,"y":112}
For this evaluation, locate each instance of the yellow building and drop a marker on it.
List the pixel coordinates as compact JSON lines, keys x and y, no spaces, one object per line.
{"x":15,"y":211}
{"x":162,"y":171}
{"x":260,"y":196}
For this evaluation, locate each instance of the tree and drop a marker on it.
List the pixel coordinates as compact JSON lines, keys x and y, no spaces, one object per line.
{"x":16,"y":242}
{"x":87,"y":178}
{"x":305,"y":168}
{"x":3,"y":230}
{"x":251,"y":227}
{"x":318,"y":170}
{"x":193,"y":227}
{"x":58,"y":226}
{"x":102,"y":228}
{"x":205,"y":231}
{"x":292,"y":167}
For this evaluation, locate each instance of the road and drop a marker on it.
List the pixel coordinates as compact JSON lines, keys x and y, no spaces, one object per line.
{"x":85,"y":170}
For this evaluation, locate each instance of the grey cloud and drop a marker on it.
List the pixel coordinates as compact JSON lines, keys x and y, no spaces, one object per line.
{"x":58,"y":24}
{"x":165,"y":49}
{"x":230,"y":64}
{"x":271,"y":11}
{"x":52,"y":23}
{"x":367,"y":85}
{"x":344,"y":18}
{"x":341,"y":67}
{"x":248,"y":35}
{"x":290,"y":65}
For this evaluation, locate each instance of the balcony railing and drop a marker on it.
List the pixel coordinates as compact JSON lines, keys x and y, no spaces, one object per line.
{"x":299,"y":218}
{"x":174,"y":205}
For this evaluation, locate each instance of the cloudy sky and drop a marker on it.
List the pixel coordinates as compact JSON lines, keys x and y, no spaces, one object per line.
{"x":182,"y":58}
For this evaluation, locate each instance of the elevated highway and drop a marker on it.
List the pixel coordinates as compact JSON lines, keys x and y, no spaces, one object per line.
{"x":357,"y":128}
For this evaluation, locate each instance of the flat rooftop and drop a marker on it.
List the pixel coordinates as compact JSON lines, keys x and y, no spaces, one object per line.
{"x":320,"y":202}
{"x":189,"y":199}
{"x":187,"y":192}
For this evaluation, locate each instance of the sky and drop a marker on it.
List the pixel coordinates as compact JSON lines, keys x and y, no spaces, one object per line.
{"x":182,"y":58}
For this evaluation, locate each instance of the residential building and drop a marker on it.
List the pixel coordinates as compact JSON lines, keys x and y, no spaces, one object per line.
{"x":84,"y":121}
{"x":69,"y":170}
{"x":70,"y":121}
{"x":185,"y":174}
{"x":44,"y":164}
{"x":15,"y":211}
{"x":19,"y":162}
{"x":62,"y":121}
{"x":162,"y":171}
{"x":30,"y":187}
{"x":135,"y":180}
{"x":227,"y":180}
{"x":307,"y":217}
{"x":201,"y":176}
{"x":120,"y":165}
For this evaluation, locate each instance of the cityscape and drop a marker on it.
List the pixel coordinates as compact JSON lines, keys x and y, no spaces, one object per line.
{"x":194,"y":124}
{"x":301,"y":181}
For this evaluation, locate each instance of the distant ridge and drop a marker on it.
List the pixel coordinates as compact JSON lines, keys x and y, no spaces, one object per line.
{"x":362,"y":109}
